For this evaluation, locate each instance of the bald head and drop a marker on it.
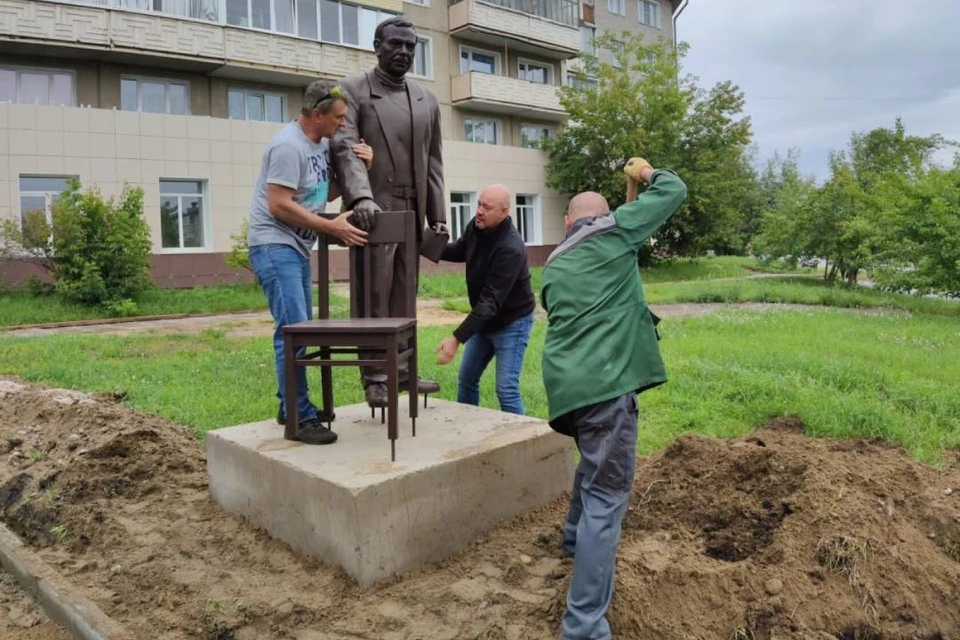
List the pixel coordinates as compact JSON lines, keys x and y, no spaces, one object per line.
{"x":588,"y":204}
{"x":493,"y":206}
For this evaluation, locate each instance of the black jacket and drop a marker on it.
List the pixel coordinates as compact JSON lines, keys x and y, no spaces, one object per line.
{"x":498,"y":277}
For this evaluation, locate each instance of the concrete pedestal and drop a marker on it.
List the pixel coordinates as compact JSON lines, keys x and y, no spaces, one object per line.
{"x":347,"y":504}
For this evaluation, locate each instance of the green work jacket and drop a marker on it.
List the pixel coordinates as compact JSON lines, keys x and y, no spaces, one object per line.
{"x":601,"y":341}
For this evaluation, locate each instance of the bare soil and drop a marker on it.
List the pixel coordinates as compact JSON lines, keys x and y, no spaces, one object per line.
{"x":774,"y":536}
{"x":21,"y":618}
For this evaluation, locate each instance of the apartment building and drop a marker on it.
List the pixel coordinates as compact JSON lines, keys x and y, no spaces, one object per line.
{"x":180,"y":97}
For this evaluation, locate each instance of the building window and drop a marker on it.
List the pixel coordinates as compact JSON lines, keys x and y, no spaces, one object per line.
{"x":245,"y":104}
{"x":35,"y":86}
{"x":648,"y":12}
{"x":422,"y":3}
{"x":182,"y":214}
{"x":37,"y":195}
{"x":581,"y":82}
{"x":423,"y":58}
{"x":587,"y":36}
{"x":535,"y":72}
{"x":532,"y":135}
{"x":479,"y":60}
{"x":528,"y":218}
{"x":480,"y":130}
{"x":334,"y":22}
{"x":618,"y":7}
{"x":616,"y":48}
{"x":461,"y":210}
{"x":154,"y":96}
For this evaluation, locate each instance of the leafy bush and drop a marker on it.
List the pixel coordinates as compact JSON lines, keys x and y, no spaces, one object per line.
{"x":97,"y":251}
{"x":101,"y":247}
{"x":239,"y":255}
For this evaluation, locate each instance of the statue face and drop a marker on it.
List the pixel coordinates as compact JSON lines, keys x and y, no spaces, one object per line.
{"x":395,"y":51}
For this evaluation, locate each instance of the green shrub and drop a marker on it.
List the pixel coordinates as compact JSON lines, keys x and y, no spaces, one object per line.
{"x":101,"y":248}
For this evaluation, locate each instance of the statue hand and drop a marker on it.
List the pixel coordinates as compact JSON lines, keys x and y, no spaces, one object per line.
{"x":365,"y":213}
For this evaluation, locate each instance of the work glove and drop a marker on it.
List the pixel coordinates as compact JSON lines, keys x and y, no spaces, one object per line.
{"x":634,"y":166}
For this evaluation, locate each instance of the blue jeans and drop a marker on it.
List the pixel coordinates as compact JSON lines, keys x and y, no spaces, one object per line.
{"x":606,"y":435}
{"x":284,"y":275}
{"x":508,"y":345}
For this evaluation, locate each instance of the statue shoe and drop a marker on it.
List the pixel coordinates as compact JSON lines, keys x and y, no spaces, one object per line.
{"x":376,"y":393}
{"x":427,"y":386}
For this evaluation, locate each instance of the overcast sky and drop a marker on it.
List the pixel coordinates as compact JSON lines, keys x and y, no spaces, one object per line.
{"x":813,"y":71}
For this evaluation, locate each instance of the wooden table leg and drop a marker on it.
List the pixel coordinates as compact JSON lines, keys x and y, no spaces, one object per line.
{"x":412,"y":382}
{"x":326,"y":381}
{"x":393,"y":388}
{"x":290,"y":431}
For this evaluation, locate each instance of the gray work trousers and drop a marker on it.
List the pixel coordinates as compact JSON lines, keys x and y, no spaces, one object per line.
{"x":390,"y":275}
{"x":606,"y":435}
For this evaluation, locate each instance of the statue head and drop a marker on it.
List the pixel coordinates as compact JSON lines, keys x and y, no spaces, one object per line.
{"x":395,"y":43}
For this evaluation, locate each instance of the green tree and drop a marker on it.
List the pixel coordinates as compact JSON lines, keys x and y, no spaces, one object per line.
{"x":920,"y":238}
{"x":642,"y":106}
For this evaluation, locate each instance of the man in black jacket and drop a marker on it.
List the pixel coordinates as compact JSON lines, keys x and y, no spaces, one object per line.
{"x":501,"y":301}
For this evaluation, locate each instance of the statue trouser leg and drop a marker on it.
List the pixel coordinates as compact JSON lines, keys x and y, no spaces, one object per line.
{"x":390,"y":274}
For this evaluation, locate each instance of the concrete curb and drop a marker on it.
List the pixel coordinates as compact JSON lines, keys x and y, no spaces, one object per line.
{"x":59,"y":599}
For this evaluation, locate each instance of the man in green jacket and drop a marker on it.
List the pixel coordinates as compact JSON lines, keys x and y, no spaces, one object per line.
{"x":600,"y":351}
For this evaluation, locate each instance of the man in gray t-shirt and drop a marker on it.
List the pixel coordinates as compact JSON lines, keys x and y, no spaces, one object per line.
{"x":293,"y":187}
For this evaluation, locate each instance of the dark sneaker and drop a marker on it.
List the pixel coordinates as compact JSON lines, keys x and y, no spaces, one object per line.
{"x":322,"y":416}
{"x":376,"y":395}
{"x":313,"y":432}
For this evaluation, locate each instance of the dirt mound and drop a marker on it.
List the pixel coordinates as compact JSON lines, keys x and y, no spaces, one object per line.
{"x":771,"y":536}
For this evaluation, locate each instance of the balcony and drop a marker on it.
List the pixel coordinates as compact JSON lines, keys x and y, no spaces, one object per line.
{"x":194,"y":33}
{"x":548,"y":28}
{"x":509,"y":96}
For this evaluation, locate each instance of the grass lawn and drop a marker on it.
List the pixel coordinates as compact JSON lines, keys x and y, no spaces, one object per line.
{"x":798,"y":290}
{"x":452,"y":285}
{"x":844,"y":374}
{"x":19,"y":308}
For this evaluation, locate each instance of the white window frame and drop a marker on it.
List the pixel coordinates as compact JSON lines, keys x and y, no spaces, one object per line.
{"x":497,"y":129}
{"x":50,"y":72}
{"x":534,"y":125}
{"x":616,"y":47}
{"x":578,"y":78}
{"x":535,"y":215}
{"x":593,"y":39}
{"x":205,"y":209}
{"x":640,"y":6}
{"x":48,"y":196}
{"x":471,"y":50}
{"x":456,"y":230}
{"x":246,"y":116}
{"x":421,"y":3}
{"x":166,"y":82}
{"x":535,"y":63}
{"x":611,"y":4}
{"x":428,"y":58}
{"x":366,"y":46}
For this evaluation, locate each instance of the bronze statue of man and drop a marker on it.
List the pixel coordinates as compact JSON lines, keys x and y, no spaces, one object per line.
{"x":400,"y":119}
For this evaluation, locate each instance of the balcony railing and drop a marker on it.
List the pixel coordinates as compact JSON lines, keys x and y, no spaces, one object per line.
{"x":563,"y":11}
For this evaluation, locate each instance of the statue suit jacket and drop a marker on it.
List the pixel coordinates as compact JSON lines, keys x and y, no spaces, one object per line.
{"x":374,"y":119}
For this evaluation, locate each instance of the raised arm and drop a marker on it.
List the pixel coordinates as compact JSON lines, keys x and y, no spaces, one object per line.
{"x":663,"y":198}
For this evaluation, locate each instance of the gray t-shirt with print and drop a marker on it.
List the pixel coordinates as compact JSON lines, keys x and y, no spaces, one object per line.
{"x":291,"y":160}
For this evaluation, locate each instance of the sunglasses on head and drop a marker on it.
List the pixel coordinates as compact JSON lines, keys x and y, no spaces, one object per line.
{"x":336,"y":92}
